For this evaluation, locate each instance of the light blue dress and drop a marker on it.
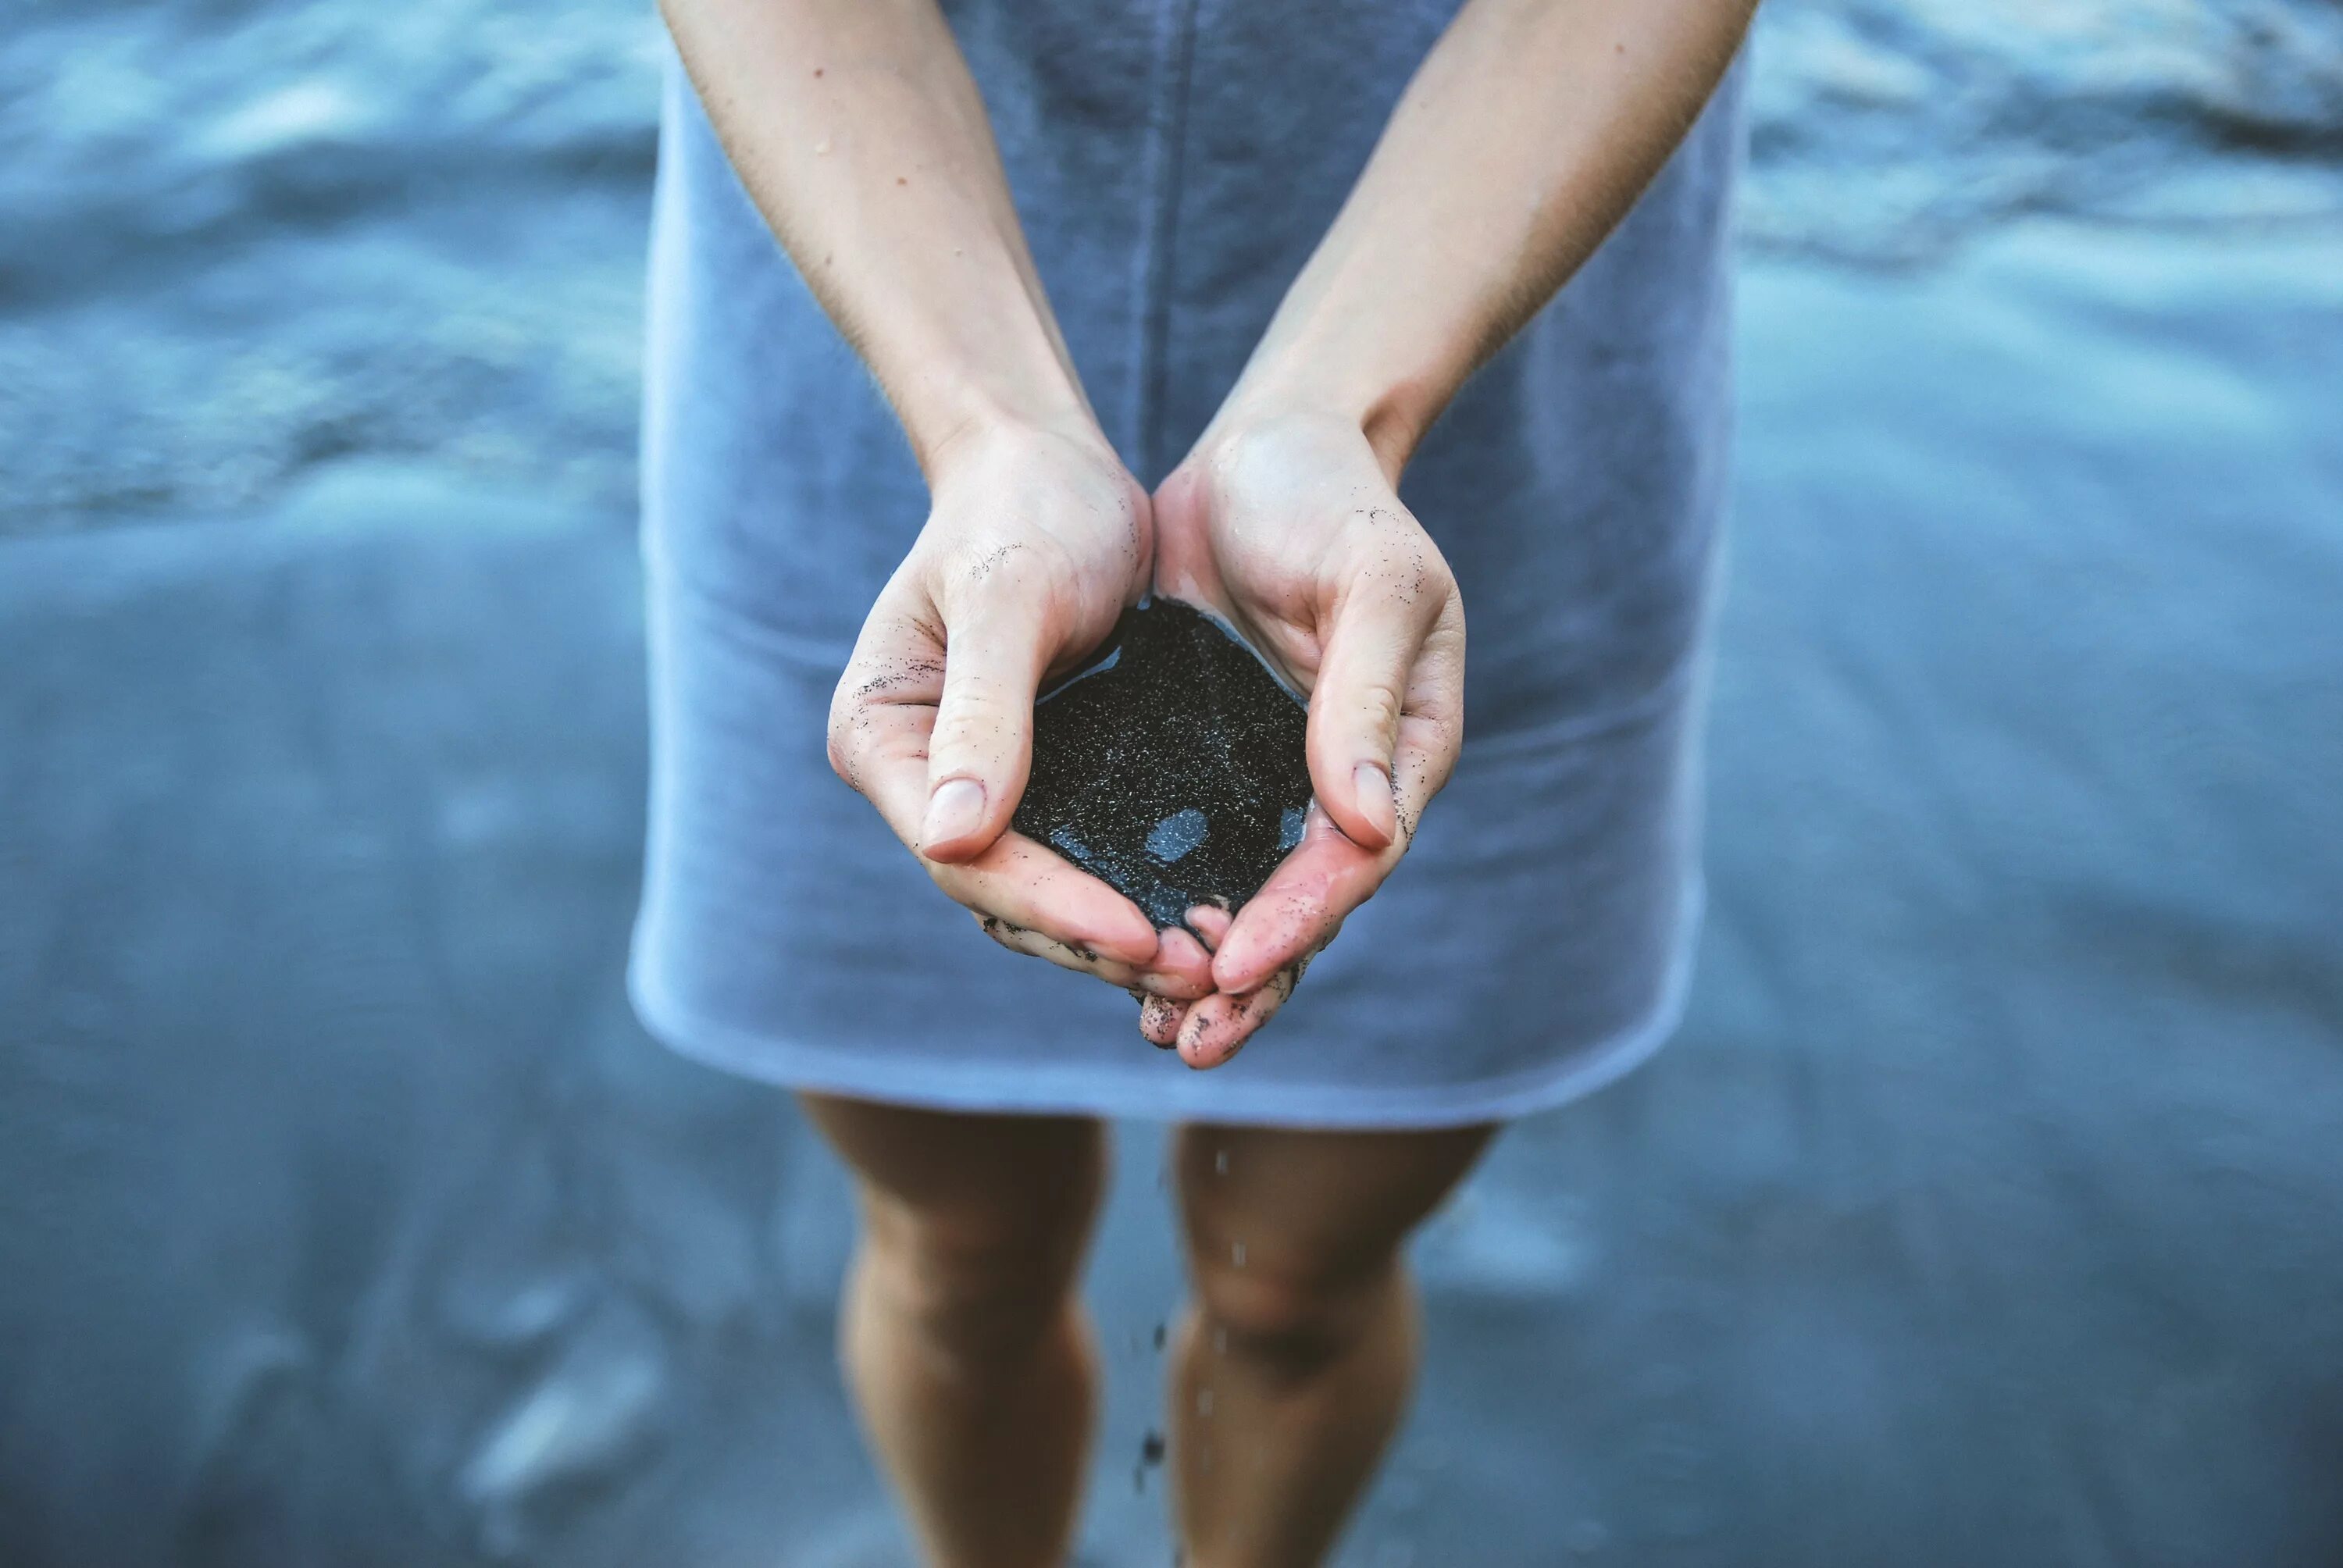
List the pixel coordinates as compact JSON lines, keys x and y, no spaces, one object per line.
{"x":1174,"y":162}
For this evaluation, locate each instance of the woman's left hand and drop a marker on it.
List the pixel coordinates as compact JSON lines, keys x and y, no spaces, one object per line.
{"x":1287,"y":526}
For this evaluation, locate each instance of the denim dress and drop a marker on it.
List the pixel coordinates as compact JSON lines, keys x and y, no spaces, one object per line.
{"x":1174,"y":163}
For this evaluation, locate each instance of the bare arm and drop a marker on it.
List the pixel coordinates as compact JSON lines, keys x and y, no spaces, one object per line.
{"x":857,"y":131}
{"x":861,"y":135}
{"x":1529,"y":131}
{"x":1525,"y":136}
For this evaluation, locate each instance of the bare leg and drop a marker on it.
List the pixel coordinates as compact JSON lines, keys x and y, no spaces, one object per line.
{"x":1294,"y":1362}
{"x":961,"y":1337}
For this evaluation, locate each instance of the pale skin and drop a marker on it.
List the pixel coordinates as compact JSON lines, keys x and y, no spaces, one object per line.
{"x":1525,"y":136}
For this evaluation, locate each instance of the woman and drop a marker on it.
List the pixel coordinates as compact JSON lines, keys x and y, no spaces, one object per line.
{"x":1269,"y":265}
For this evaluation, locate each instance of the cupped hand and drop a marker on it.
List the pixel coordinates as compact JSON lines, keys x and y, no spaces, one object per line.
{"x":1035,"y":542}
{"x":1288,"y":527}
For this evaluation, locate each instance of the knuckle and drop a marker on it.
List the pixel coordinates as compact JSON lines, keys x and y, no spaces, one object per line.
{"x":974,"y":687}
{"x":845,"y":741}
{"x":1380,"y":703}
{"x":841,"y":760}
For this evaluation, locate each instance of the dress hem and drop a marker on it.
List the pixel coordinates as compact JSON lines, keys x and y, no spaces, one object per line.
{"x":956,"y":1084}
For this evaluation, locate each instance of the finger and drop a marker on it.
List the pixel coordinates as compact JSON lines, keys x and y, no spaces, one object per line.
{"x":885,"y":755}
{"x":981,"y":746}
{"x":1024,"y":940}
{"x":1028,"y":885}
{"x":1182,"y":965}
{"x":885,"y":702}
{"x":1363,"y":681}
{"x":1431,"y":720}
{"x":1217,"y":1028}
{"x":1301,"y":906}
{"x":882,"y":719}
{"x":1160,"y":1019}
{"x":1189,"y":981}
{"x":1211,"y":923}
{"x":1329,"y":874}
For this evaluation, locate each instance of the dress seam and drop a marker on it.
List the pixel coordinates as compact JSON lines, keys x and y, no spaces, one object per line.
{"x":1167,"y":139}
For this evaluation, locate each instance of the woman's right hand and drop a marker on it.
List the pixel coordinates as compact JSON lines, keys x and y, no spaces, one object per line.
{"x":1036,"y":540}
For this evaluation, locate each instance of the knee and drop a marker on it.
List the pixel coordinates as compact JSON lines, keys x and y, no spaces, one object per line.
{"x":1289,"y":1315}
{"x":981,"y":1289}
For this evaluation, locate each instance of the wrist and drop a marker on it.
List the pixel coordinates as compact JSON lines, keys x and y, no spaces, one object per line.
{"x":986,"y":442}
{"x":977,"y":431}
{"x":1391,"y":420}
{"x":990,"y":369}
{"x":1391,"y":412}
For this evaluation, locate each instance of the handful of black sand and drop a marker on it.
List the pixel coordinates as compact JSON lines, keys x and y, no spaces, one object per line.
{"x":1171,"y":769}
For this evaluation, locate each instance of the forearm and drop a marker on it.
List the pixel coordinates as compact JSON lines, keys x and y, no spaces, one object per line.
{"x":1527,"y":134}
{"x":857,"y":131}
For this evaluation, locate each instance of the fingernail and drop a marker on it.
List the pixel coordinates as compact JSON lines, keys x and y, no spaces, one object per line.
{"x":1373,"y":788}
{"x":954,"y":811}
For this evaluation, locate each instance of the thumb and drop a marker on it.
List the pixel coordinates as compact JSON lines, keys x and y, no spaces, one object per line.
{"x":1354,"y":713}
{"x":981,"y":748}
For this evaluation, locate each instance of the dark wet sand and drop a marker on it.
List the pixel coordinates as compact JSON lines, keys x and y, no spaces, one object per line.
{"x":1986,"y":1212}
{"x":1170,"y":767}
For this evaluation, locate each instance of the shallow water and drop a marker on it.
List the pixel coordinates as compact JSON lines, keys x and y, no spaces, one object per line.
{"x":1984,"y":1213}
{"x":246,"y":239}
{"x":1890,"y":131}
